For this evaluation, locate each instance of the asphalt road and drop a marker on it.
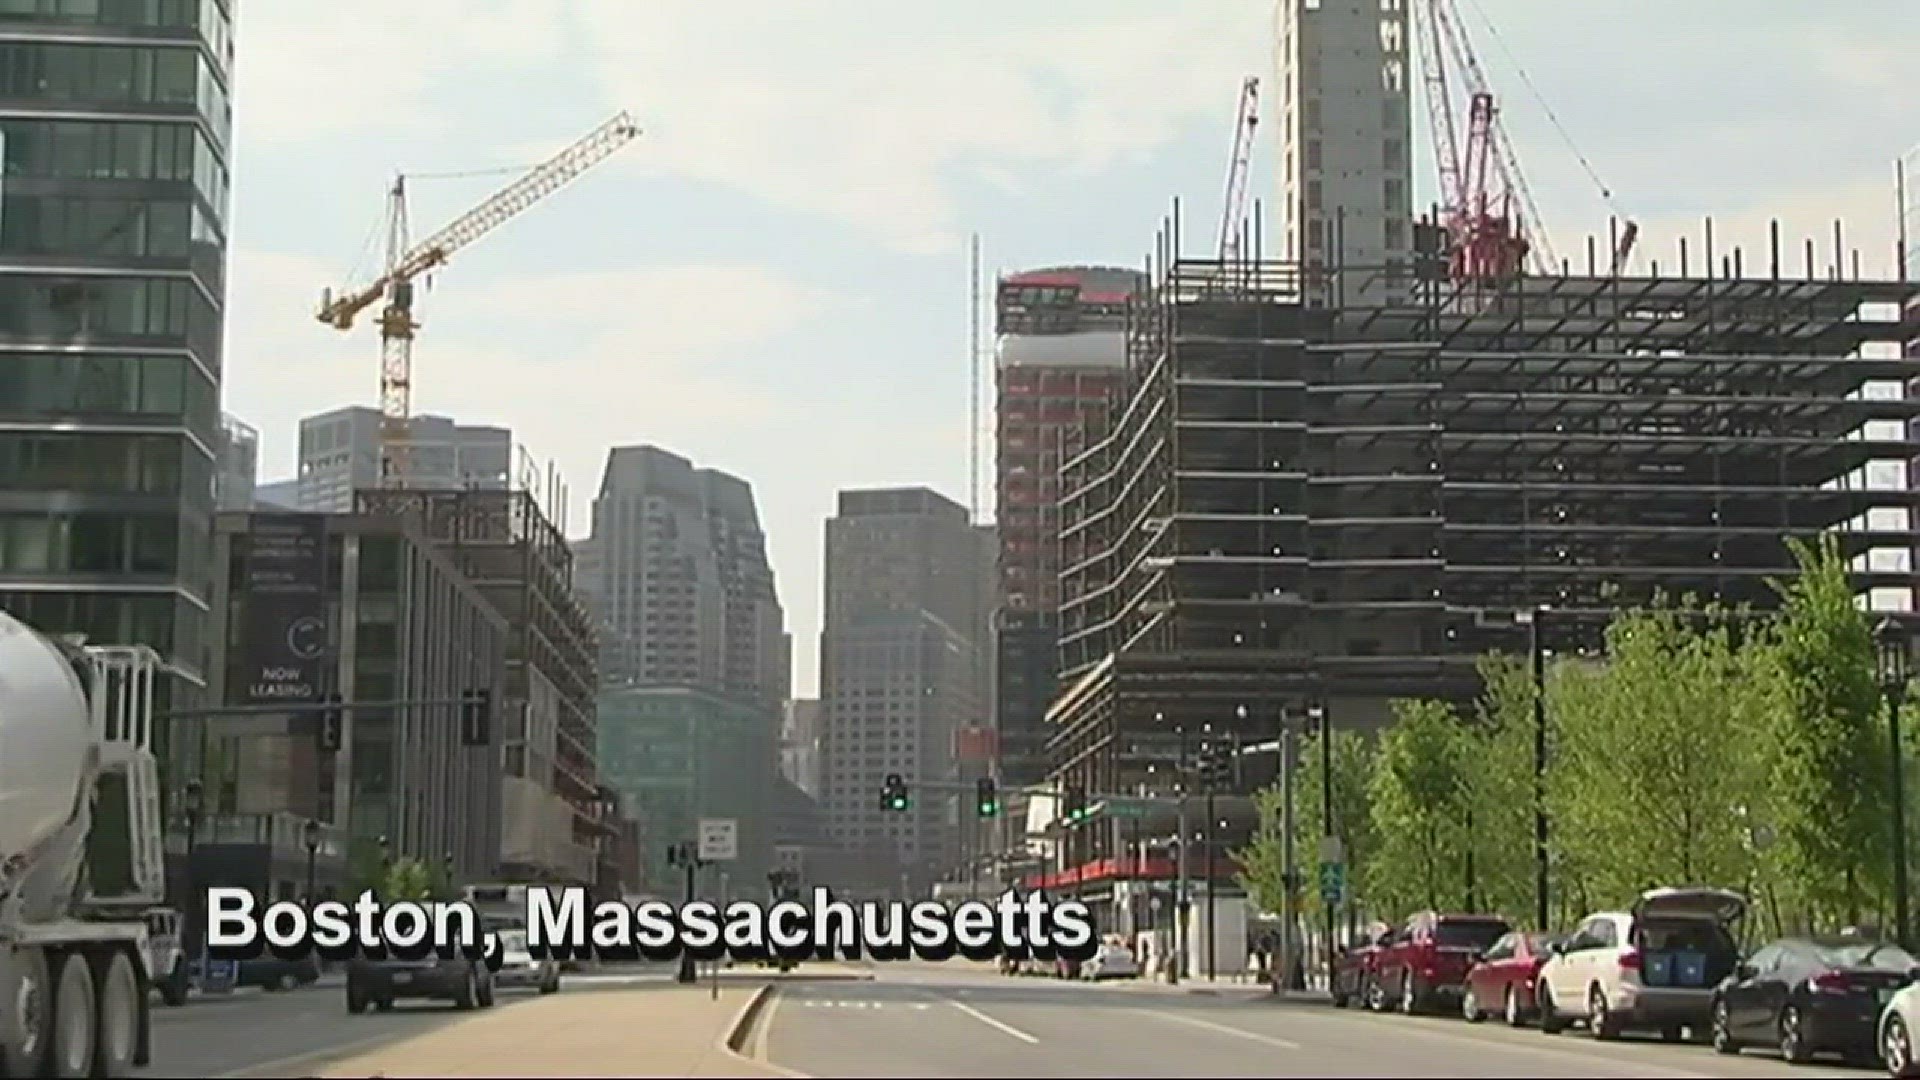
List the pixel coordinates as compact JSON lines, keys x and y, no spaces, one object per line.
{"x":292,"y":1033}
{"x":919,"y":1021}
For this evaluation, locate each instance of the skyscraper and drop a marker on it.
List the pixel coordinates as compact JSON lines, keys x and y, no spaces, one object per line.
{"x":900,"y":671}
{"x":340,"y":454}
{"x":678,"y":572}
{"x":1062,"y":358}
{"x":114,"y":129}
{"x":238,"y":462}
{"x":1346,"y":133}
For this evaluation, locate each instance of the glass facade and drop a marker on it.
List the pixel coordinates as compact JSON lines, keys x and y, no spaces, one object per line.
{"x":676,"y":755}
{"x":115,"y":123}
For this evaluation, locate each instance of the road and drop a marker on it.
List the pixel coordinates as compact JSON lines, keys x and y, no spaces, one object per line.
{"x":925,"y":1021}
{"x":288,"y":1034}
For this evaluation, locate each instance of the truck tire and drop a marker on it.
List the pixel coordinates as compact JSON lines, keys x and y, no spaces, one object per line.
{"x":357,"y":1000}
{"x":117,"y":1025}
{"x":76,"y":1029}
{"x":30,"y":1000}
{"x":469,"y":995}
{"x":173,"y":988}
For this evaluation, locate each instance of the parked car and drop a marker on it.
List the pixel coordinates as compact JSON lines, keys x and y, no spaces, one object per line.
{"x":273,"y":973}
{"x":1426,"y":963}
{"x":1504,"y":977}
{"x":1354,"y":970}
{"x":379,"y":983}
{"x":1898,"y":1021}
{"x":1113,"y":961}
{"x":1652,"y":968}
{"x":1808,"y":996}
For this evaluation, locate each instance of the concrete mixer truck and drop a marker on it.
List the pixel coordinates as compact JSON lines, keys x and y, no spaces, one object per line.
{"x":81,"y":854}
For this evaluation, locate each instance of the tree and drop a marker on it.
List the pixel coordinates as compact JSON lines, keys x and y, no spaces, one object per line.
{"x":1829,"y":758}
{"x":1420,"y":792}
{"x":1650,"y":755}
{"x":1500,"y":779}
{"x":1262,"y":862}
{"x":407,"y":879}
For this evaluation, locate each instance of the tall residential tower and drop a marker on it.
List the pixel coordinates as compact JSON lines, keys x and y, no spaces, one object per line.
{"x":114,"y":127}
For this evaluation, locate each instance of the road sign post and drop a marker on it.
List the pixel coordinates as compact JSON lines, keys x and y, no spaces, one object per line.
{"x":719,"y":839}
{"x":1333,"y":882}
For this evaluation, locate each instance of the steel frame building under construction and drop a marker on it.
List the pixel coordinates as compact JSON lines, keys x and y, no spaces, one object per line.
{"x":1306,"y":497}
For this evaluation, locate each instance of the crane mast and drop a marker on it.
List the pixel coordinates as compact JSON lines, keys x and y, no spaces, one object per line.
{"x":1233,"y":211}
{"x":406,"y":263}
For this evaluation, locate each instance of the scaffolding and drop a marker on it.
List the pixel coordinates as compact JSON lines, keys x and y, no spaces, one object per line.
{"x":1309,"y":497}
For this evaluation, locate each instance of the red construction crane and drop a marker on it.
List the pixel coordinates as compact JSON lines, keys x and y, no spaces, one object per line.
{"x":1233,"y":212}
{"x":1487,"y":208}
{"x":405,"y":263}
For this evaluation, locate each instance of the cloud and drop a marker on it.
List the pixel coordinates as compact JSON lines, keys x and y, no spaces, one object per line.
{"x":623,"y":356}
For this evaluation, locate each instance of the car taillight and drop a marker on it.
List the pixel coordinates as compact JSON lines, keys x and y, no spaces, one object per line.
{"x":1833,"y":982}
{"x":1630,"y":960}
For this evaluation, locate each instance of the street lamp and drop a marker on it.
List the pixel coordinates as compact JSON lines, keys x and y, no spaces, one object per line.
{"x":1534,"y":621}
{"x":1894,"y":661}
{"x":310,"y":835}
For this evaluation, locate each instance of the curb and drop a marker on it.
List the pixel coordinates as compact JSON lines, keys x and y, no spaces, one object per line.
{"x":733,"y":1040}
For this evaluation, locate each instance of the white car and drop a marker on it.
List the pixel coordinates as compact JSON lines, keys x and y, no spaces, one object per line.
{"x":519,"y":968}
{"x":1113,"y":961}
{"x":1898,"y":1021}
{"x":1652,"y":968}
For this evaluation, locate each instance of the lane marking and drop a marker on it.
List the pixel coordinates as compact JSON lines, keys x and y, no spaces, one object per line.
{"x":1222,"y":1029}
{"x":1007,"y":1029}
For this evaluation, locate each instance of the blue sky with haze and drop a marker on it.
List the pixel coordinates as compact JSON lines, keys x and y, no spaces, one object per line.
{"x":773,"y":280}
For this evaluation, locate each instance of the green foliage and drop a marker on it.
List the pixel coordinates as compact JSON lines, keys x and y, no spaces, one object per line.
{"x":1830,"y":759}
{"x":1707,"y":747}
{"x":1263,"y":862}
{"x":1652,"y":754}
{"x":1421,"y":790}
{"x":408,"y":879}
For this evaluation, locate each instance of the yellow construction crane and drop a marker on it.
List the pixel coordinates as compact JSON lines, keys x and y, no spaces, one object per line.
{"x":404,"y":264}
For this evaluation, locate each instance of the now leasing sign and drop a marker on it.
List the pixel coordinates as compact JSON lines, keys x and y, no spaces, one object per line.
{"x":285,"y":583}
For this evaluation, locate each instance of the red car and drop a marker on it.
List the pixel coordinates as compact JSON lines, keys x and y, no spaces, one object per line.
{"x":1354,"y":970}
{"x":1502,"y":981}
{"x":1427,"y":962}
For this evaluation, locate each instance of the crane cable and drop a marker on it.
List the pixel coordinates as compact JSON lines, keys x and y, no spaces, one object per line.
{"x":1606,"y":193}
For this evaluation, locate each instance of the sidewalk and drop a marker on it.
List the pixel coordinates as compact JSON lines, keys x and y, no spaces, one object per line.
{"x":662,"y":1030}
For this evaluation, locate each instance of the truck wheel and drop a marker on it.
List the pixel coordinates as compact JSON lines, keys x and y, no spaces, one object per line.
{"x":552,"y":985}
{"x":356,"y":999}
{"x":469,"y":995}
{"x":75,"y":1034}
{"x":486,"y":992}
{"x":30,"y":1001}
{"x":173,"y":989}
{"x":118,"y":1025}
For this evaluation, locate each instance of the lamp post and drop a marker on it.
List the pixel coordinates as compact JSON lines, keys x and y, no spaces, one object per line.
{"x":1318,"y":723}
{"x":310,"y":835}
{"x":192,"y":794}
{"x":1536,"y":647}
{"x":1893,"y":658}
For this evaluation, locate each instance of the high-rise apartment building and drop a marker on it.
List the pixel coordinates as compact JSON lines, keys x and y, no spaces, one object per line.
{"x":900,"y":672}
{"x":1346,"y":132}
{"x":340,"y":454}
{"x":800,"y":745}
{"x":1062,"y":359}
{"x":678,"y":573}
{"x":114,"y":134}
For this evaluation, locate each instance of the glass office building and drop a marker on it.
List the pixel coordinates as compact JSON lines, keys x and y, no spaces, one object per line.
{"x":115,"y":125}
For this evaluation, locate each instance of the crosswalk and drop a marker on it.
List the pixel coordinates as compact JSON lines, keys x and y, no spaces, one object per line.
{"x":829,"y":1003}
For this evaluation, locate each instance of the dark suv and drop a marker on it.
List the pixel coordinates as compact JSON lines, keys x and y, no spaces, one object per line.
{"x":379,"y":983}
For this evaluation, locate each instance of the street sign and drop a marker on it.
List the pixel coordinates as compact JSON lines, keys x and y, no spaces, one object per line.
{"x":719,"y":839}
{"x":1332,"y":850}
{"x":1120,"y":808}
{"x":1333,"y":882}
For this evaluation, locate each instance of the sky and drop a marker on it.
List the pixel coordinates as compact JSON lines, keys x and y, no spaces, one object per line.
{"x":773,"y":279}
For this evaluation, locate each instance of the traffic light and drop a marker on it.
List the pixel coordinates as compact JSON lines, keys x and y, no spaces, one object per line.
{"x":333,"y":725}
{"x":986,"y":797}
{"x":476,"y":718}
{"x":893,"y":793}
{"x":1076,"y":805}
